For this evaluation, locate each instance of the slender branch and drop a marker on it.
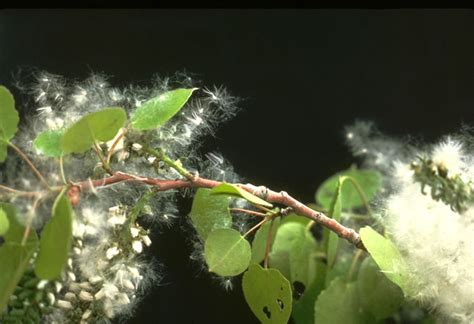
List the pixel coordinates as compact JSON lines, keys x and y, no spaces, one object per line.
{"x":114,"y":144}
{"x":268,"y":244}
{"x":247,"y":211}
{"x":105,"y":165}
{"x":173,"y":164}
{"x":282,"y":198}
{"x":255,"y":227}
{"x":30,"y":164}
{"x":29,"y":220}
{"x":61,"y":169}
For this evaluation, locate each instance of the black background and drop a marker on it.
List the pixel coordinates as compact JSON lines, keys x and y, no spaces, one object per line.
{"x":304,"y":75}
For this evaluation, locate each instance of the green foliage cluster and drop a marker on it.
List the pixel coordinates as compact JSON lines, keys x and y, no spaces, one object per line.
{"x":291,"y":267}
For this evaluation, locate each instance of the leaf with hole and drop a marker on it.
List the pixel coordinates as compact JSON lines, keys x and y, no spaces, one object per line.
{"x":99,"y":126}
{"x":386,"y":255}
{"x":56,"y":239}
{"x":158,"y":110}
{"x":369,"y":182}
{"x":268,"y":294}
{"x":49,"y":143}
{"x":209,"y":212}
{"x":227,"y":253}
{"x":340,"y":303}
{"x":233,"y":190}
{"x":259,"y":243}
{"x":9,"y":120}
{"x":378,"y":295}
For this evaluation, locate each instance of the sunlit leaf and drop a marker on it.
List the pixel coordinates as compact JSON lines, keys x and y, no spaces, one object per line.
{"x":386,"y":255}
{"x":157,"y":111}
{"x":259,"y":243}
{"x":233,"y":190}
{"x":100,"y":126}
{"x":268,"y":294}
{"x":227,"y":253}
{"x":340,"y":303}
{"x":49,"y":143}
{"x":378,"y":295}
{"x":9,"y":120}
{"x":55,"y":242}
{"x":210,"y":212}
{"x":368,"y":180}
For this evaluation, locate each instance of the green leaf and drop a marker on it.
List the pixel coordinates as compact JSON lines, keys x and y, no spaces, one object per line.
{"x":378,"y":295}
{"x":386,"y":255}
{"x":293,"y":252}
{"x":158,"y":110}
{"x":4,"y":222}
{"x":56,"y":239}
{"x":340,"y":303}
{"x":101,"y":126}
{"x":259,"y":243}
{"x":210,"y":212}
{"x":49,"y":143}
{"x":14,"y":259}
{"x":303,"y":309}
{"x":368,"y":180}
{"x":9,"y":120}
{"x":227,"y":253}
{"x":268,"y":294}
{"x":233,"y":190}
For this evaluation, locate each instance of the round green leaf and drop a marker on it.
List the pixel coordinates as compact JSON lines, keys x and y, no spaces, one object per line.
{"x":378,"y":295}
{"x":55,"y":241}
{"x":339,"y":303}
{"x":386,"y":255}
{"x":49,"y":143}
{"x":100,"y":126}
{"x":4,"y":222}
{"x":268,"y":294}
{"x":368,"y":180}
{"x":227,"y":253}
{"x":233,"y":190}
{"x":157,"y":111}
{"x":210,"y":212}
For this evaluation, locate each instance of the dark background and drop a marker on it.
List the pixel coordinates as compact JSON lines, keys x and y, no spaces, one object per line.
{"x":304,"y":76}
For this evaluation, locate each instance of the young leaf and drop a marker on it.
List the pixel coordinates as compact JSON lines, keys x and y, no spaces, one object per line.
{"x":339,"y":303}
{"x":259,"y":243}
{"x":268,"y":294}
{"x":227,"y":253}
{"x":157,"y":111}
{"x":14,"y":259}
{"x":210,"y":212}
{"x":55,"y":240}
{"x":233,"y":190}
{"x":377,"y":294}
{"x":386,"y":255}
{"x":9,"y":120}
{"x":101,"y":126}
{"x":368,"y":180}
{"x":4,"y":222}
{"x":49,"y":143}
